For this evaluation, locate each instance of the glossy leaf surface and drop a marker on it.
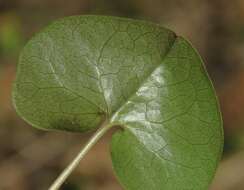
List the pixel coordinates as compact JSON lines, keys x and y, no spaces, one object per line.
{"x":83,"y":70}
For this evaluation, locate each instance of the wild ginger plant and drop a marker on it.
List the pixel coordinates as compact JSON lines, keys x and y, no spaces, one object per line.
{"x":85,"y":73}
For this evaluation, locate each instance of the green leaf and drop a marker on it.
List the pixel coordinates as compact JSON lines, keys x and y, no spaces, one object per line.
{"x":83,"y":70}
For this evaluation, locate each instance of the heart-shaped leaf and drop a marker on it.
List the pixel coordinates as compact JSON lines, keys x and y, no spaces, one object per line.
{"x":81,"y":71}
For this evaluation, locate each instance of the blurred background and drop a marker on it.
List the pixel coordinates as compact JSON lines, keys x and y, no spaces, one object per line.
{"x":32,"y":159}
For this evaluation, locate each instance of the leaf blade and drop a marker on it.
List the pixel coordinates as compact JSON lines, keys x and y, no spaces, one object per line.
{"x":82,"y":70}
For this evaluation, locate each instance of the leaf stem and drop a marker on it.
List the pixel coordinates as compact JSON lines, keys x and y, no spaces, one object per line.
{"x":67,"y":171}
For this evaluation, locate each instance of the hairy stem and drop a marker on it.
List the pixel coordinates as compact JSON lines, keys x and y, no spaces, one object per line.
{"x":67,"y":171}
